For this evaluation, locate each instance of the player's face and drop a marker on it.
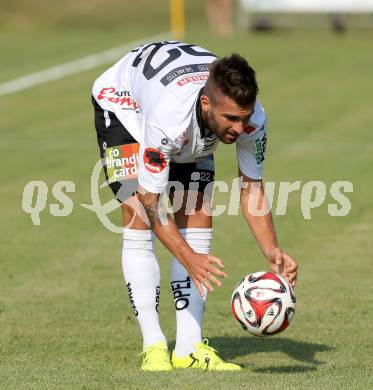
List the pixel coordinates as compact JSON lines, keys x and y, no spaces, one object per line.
{"x":225,"y":118}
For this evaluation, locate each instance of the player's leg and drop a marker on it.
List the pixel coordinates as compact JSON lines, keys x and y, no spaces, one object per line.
{"x":142,"y":276}
{"x":141,"y":272}
{"x":192,"y":213}
{"x":197,"y":231}
{"x":139,"y":263}
{"x":190,"y":185}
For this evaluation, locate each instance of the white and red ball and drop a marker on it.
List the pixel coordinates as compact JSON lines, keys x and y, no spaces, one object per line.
{"x":263,"y":303}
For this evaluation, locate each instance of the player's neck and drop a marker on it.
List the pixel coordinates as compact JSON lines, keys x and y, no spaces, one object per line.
{"x":201,"y":115}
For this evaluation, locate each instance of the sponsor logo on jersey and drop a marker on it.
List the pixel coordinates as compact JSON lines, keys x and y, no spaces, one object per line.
{"x":182,"y":135}
{"x":182,"y":71}
{"x":249,"y":129}
{"x":121,"y":162}
{"x":154,"y":160}
{"x":260,"y":145}
{"x":192,"y":79}
{"x":122,"y":98}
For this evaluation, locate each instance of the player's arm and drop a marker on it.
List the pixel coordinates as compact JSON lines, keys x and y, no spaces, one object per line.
{"x":201,"y":268}
{"x":252,"y":199}
{"x":155,"y":154}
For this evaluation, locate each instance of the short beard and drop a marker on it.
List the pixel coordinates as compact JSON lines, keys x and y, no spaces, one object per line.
{"x":211,"y":123}
{"x":214,"y":128}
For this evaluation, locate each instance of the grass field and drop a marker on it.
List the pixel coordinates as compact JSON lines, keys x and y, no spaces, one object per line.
{"x":65,"y":319}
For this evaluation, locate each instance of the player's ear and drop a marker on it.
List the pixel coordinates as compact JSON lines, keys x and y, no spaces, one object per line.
{"x":205,"y":103}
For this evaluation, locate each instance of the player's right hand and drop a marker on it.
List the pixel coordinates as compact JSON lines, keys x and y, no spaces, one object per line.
{"x":283,"y":264}
{"x":203,"y":269}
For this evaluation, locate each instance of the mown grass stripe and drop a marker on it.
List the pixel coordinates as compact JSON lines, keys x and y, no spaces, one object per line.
{"x":69,"y":68}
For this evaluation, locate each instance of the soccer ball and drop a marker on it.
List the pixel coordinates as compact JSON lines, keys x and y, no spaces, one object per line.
{"x":263,"y":303}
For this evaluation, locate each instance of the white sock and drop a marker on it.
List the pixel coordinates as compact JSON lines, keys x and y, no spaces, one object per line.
{"x":189,"y":304}
{"x":142,"y":275}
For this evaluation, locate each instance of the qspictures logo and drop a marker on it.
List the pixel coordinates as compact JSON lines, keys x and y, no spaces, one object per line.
{"x":122,"y":162}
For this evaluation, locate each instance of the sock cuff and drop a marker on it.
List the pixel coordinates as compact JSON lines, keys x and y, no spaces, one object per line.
{"x":141,"y":239}
{"x":198,"y":238}
{"x":197,"y":233}
{"x":133,"y":234}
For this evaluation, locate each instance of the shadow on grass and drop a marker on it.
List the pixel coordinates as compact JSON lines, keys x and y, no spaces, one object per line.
{"x":232,"y":347}
{"x":285,"y":369}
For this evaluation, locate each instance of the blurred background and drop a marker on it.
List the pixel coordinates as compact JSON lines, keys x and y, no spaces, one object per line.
{"x":65,"y":319}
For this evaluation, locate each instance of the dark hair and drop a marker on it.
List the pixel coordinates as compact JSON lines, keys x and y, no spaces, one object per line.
{"x":234,"y":77}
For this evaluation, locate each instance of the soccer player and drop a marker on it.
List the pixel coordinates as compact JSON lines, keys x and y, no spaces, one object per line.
{"x":160,"y":112}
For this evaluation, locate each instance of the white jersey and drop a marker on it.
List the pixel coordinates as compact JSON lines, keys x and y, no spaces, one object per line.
{"x":154,"y":92}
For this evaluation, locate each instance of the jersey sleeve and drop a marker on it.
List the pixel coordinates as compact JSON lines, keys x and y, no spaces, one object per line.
{"x":154,"y":159}
{"x":251,"y":152}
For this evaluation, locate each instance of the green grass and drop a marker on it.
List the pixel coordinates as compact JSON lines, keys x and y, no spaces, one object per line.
{"x":65,"y":320}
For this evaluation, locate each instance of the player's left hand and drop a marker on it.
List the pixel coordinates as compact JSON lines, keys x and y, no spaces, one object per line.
{"x":283,"y":264}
